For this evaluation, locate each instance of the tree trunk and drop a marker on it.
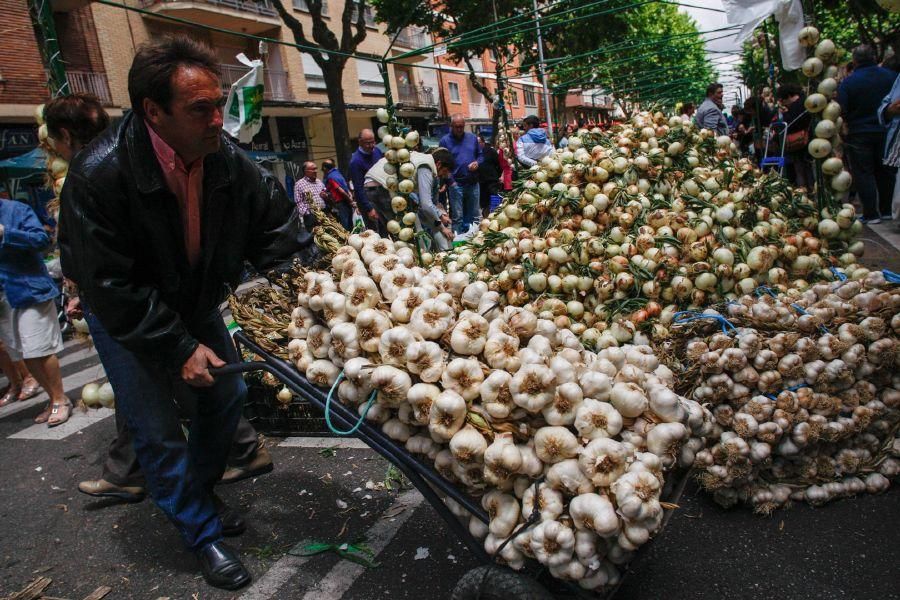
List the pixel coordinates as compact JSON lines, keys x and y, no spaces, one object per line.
{"x":339,"y":126}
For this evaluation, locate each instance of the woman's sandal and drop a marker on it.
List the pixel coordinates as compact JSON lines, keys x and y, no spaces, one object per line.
{"x":59,"y":413}
{"x":43,"y":415}
{"x":30,"y":389}
{"x":9,"y":395}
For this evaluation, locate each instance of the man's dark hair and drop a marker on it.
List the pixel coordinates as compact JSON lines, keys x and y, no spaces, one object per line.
{"x":155,"y":63}
{"x":863,"y":54}
{"x":687,"y":106}
{"x":532,"y":121}
{"x":327,"y":165}
{"x":443,"y":156}
{"x":713,"y":88}
{"x":787,"y":90}
{"x":81,"y":115}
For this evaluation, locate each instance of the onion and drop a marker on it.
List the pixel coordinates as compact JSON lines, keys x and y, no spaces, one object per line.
{"x":812,"y":67}
{"x":832,"y":166}
{"x":841,"y":182}
{"x":815,"y":103}
{"x":106,"y":396}
{"x":819,"y":148}
{"x":825,"y":129}
{"x":90,"y":395}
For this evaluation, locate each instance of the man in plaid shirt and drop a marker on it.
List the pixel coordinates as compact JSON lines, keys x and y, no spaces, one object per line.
{"x":309,"y":192}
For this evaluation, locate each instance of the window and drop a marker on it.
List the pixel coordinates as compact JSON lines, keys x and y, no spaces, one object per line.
{"x":370,"y":81}
{"x":454,"y":92}
{"x":513,"y":97}
{"x":314,"y":78}
{"x":530,"y":99}
{"x":369,"y":14}
{"x":303,"y":6}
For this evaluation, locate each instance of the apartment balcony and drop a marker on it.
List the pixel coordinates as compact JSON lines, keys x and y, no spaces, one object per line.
{"x":87,"y":82}
{"x":416,"y":96}
{"x":275,"y":82}
{"x":479,"y":110}
{"x":412,"y":38}
{"x":239,"y":15}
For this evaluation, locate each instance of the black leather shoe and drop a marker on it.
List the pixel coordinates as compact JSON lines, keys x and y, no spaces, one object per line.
{"x":232,"y":523}
{"x":221,"y":567}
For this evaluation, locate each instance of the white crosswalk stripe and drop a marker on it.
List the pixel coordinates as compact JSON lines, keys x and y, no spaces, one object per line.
{"x":80,"y":365}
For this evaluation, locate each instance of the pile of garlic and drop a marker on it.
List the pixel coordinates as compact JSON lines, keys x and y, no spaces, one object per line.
{"x":505,"y":404}
{"x":805,"y":393}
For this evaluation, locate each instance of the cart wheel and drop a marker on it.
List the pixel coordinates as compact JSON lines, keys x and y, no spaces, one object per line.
{"x":494,"y":582}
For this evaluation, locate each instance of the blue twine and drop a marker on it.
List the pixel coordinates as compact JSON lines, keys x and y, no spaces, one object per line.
{"x":802,"y":311}
{"x":764,"y":289}
{"x":793,"y":388}
{"x":890,"y":276}
{"x":362,"y":417}
{"x":840,"y":276}
{"x":692,"y":315}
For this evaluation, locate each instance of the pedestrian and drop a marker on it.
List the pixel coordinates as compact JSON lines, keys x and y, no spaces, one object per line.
{"x":152,"y":269}
{"x":309,"y":193}
{"x":433,"y":218}
{"x":506,"y":170}
{"x":29,"y":326}
{"x":366,"y":155}
{"x":339,"y":197}
{"x":564,"y":138}
{"x":464,"y":196}
{"x":860,"y":96}
{"x":687,"y":112}
{"x":20,"y":384}
{"x":889,"y":116}
{"x":533,"y":145}
{"x":709,"y":115}
{"x":489,"y":177}
{"x":797,"y":121}
{"x":73,"y":121}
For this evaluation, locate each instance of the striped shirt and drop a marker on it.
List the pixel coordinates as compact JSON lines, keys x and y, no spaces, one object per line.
{"x":304,"y":188}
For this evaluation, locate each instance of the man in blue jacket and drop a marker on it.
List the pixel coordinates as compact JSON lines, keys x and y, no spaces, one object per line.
{"x":360,"y":162}
{"x":29,"y":327}
{"x":464,"y":192}
{"x":860,"y":95}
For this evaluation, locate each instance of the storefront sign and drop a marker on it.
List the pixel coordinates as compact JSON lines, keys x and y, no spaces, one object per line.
{"x":292,"y":134}
{"x":17,"y":140}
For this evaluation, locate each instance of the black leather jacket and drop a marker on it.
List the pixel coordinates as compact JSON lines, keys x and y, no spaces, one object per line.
{"x":121,"y":238}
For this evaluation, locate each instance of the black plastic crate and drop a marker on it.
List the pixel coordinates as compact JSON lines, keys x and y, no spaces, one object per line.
{"x":271,"y":417}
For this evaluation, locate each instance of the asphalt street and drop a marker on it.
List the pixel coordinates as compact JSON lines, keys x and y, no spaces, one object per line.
{"x":320,"y":493}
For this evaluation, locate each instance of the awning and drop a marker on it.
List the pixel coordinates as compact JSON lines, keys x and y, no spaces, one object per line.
{"x":25,"y":165}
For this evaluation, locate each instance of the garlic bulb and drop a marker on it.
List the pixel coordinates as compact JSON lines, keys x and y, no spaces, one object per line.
{"x":555,"y":444}
{"x":448,"y":413}
{"x":425,"y":359}
{"x":496,"y":397}
{"x":603,"y":461}
{"x":431,"y":319}
{"x":594,"y":512}
{"x":469,"y":336}
{"x":371,"y":325}
{"x":595,"y":419}
{"x":393,"y":385}
{"x":463,"y":376}
{"x":533,"y":387}
{"x":393,"y":344}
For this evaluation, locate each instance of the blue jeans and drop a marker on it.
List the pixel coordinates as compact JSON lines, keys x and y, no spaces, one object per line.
{"x":464,"y":206}
{"x":344,"y":214}
{"x":180,"y":472}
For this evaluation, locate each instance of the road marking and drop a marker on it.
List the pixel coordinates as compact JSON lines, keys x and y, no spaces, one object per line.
{"x":284,"y":569}
{"x":339,"y":579}
{"x":344,"y":574}
{"x":78,"y":421}
{"x":322,"y":442}
{"x":71,"y":384}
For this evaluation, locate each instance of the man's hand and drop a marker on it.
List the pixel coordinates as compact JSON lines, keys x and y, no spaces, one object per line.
{"x":324,"y":195}
{"x":448,"y":233}
{"x":893,"y":109}
{"x":73,"y":308}
{"x":373,"y":214}
{"x":195,"y":370}
{"x":473,"y":166}
{"x":2,"y":230}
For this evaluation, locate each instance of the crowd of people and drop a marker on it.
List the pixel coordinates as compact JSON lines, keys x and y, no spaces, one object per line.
{"x":778,"y":125}
{"x":458,"y":182}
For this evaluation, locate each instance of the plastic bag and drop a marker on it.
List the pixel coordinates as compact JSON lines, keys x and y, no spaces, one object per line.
{"x":358,"y":223}
{"x":243,"y":109}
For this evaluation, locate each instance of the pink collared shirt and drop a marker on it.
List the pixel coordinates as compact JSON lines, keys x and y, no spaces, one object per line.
{"x":187,"y":185}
